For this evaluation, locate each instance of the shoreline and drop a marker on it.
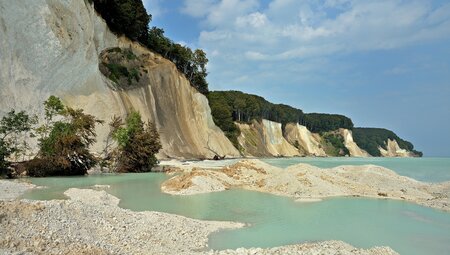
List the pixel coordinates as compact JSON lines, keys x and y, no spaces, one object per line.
{"x":91,"y":222}
{"x":309,"y":183}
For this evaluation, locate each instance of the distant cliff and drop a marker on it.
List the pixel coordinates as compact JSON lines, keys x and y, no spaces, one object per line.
{"x":54,"y":47}
{"x":307,"y":143}
{"x":249,"y":120}
{"x":383,"y":142}
{"x":265,"y":138}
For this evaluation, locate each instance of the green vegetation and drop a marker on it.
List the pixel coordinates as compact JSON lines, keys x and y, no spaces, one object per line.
{"x":321,"y":122}
{"x":191,"y":63}
{"x":64,"y":138}
{"x":246,"y":107}
{"x":137,"y":142}
{"x":334,"y":145}
{"x":64,"y":144}
{"x":222,"y":116}
{"x":13,"y":128}
{"x":369,"y":139}
{"x":129,"y":18}
{"x":125,"y":17}
{"x":116,"y":69}
{"x":129,"y":54}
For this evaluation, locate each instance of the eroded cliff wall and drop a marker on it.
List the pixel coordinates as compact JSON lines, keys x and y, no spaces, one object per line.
{"x":352,"y":147}
{"x":308,"y":143}
{"x":394,"y":150}
{"x":53,"y":46}
{"x":265,"y":138}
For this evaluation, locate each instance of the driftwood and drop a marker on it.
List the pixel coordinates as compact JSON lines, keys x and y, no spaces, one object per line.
{"x":216,"y":155}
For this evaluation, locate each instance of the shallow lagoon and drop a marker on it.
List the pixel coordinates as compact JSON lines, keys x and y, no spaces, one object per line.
{"x":275,"y":221}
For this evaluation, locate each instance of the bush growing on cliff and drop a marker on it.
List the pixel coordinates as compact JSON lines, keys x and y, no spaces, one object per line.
{"x":64,"y":149}
{"x":138,"y":143}
{"x":334,"y":145}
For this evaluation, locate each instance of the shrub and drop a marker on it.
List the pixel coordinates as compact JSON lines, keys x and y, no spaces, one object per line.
{"x":138,"y":143}
{"x":129,"y":54}
{"x":14,"y":127}
{"x":117,"y":71}
{"x":337,"y":144}
{"x":65,"y":149}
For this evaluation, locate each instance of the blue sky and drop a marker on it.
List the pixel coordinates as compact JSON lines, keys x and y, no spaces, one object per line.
{"x":384,"y":63}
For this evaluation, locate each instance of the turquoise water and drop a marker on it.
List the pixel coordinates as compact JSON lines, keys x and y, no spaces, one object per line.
{"x":275,"y":221}
{"x":422,"y":169}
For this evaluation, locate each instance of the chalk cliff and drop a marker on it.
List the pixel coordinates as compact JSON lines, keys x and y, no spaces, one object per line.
{"x":352,"y":147}
{"x":308,"y":143}
{"x":394,"y":150}
{"x":264,"y":138}
{"x":53,"y":46}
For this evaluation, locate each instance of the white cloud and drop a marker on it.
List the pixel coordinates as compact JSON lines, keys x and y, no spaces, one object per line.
{"x":253,"y":55}
{"x":198,"y":8}
{"x":214,"y":36}
{"x":256,"y":20}
{"x":284,"y":36}
{"x":220,"y":13}
{"x":359,"y":25}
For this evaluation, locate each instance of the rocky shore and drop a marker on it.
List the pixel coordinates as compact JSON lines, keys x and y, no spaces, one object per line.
{"x":13,"y":189}
{"x":90,"y":222}
{"x":308,"y":183}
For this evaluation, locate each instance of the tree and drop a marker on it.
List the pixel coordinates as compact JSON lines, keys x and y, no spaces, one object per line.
{"x":127,"y":17}
{"x":65,"y":149}
{"x":108,"y":153}
{"x":200,"y":60}
{"x":138,"y":144}
{"x":13,"y":127}
{"x":52,"y":108}
{"x":158,"y":42}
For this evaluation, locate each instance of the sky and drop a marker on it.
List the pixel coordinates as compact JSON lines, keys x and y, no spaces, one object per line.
{"x":383,"y":63}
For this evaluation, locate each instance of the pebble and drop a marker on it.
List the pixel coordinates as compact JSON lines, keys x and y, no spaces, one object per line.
{"x":77,"y":227}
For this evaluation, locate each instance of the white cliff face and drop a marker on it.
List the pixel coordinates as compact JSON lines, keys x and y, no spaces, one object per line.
{"x":275,"y":142}
{"x":394,"y":150}
{"x":352,"y":147}
{"x":308,"y":142}
{"x":265,"y":139}
{"x":53,"y":46}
